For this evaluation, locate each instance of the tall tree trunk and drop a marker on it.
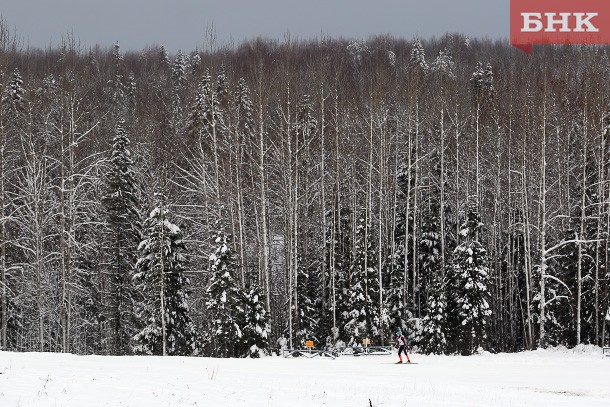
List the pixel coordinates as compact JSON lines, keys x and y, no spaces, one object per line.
{"x":239,"y":161}
{"x":543,"y":229}
{"x":162,"y":280}
{"x":442,"y":192}
{"x":415,"y":210}
{"x":369,"y":214}
{"x":337,"y":215}
{"x":323,"y":200}
{"x":380,"y":255}
{"x":528,"y":249}
{"x":263,"y":198}
{"x":581,"y":234}
{"x":405,"y":281}
{"x":478,"y":154}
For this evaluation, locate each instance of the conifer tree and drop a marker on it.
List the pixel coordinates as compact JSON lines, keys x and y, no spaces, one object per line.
{"x":13,"y":95}
{"x":226,"y":302}
{"x":163,"y":311}
{"x":477,"y":80}
{"x":131,"y":93}
{"x":338,"y":264}
{"x":179,"y":70}
{"x":122,"y":211}
{"x":256,"y":325}
{"x":469,"y":282}
{"x":195,"y":63}
{"x":12,"y":108}
{"x":118,"y":89}
{"x":245,"y":111}
{"x":307,"y":319}
{"x":429,"y":253}
{"x":443,"y":64}
{"x":488,"y":82}
{"x":434,"y":322}
{"x":417,"y":60}
{"x":196,"y":119}
{"x":362,"y":317}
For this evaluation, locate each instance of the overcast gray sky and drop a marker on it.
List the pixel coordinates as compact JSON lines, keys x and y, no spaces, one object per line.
{"x":182,"y":24}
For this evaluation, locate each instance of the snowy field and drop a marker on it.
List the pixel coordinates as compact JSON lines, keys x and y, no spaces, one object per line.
{"x":540,"y":378}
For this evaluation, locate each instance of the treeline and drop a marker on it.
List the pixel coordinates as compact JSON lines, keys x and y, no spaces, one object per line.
{"x":328,"y":190}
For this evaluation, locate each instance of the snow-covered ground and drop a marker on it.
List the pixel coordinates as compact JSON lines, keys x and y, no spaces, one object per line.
{"x":541,"y":378}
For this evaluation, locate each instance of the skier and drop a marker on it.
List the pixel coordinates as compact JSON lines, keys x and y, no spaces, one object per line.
{"x":401,"y":342}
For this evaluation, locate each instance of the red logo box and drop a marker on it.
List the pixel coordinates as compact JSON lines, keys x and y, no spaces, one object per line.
{"x":559,"y":22}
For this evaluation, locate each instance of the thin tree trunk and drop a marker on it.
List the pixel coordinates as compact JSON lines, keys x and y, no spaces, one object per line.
{"x":414,"y":281}
{"x":527,"y":254}
{"x":239,"y":161}
{"x":478,"y":153}
{"x":600,"y":208}
{"x":380,"y":256}
{"x":442,"y":193}
{"x":369,"y":211}
{"x":581,"y":235}
{"x":162,"y":280}
{"x":543,"y":226}
{"x":323,"y":199}
{"x":263,"y":197}
{"x":337,"y":216}
{"x":407,"y":213}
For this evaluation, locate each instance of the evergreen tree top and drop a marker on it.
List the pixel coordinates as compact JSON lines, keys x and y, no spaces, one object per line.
{"x":418,"y":57}
{"x":116,"y":53}
{"x":179,"y":69}
{"x":444,"y":64}
{"x":472,"y":225}
{"x":13,"y":97}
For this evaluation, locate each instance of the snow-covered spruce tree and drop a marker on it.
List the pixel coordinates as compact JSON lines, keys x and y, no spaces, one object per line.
{"x":434,"y":322}
{"x":444,"y":65}
{"x":195,"y":63}
{"x":206,"y":125}
{"x":122,"y":211}
{"x":338,"y":264}
{"x":482,"y":82}
{"x":163,"y":311}
{"x":132,"y":88}
{"x":361,"y":312}
{"x":417,"y":60}
{"x":222,"y":91}
{"x":13,"y":95}
{"x":256,"y":326}
{"x":12,"y":111}
{"x":226,"y":302}
{"x":398,"y":296}
{"x":429,"y":254}
{"x":117,"y":89}
{"x":307,"y":318}
{"x":468,"y":281}
{"x":477,"y":80}
{"x":200,"y":108}
{"x":394,"y":293}
{"x":488,"y":82}
{"x":179,"y":70}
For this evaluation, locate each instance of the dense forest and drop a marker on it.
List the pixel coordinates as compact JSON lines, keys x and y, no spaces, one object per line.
{"x":232,"y":200}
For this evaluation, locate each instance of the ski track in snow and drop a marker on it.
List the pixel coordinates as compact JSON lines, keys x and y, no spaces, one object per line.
{"x":539,"y":378}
